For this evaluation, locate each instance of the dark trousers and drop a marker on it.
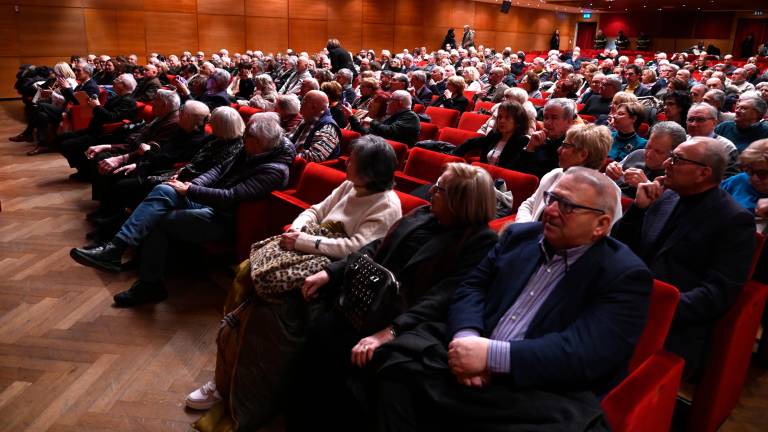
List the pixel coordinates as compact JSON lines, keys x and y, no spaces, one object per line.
{"x":47,"y":115}
{"x":73,"y":146}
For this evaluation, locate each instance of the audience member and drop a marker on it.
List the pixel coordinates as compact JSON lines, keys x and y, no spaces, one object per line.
{"x":505,"y":145}
{"x":453,"y":96}
{"x":317,"y":137}
{"x":600,"y":104}
{"x":747,"y":126}
{"x":626,"y":121}
{"x":401,"y":123}
{"x":750,"y":188}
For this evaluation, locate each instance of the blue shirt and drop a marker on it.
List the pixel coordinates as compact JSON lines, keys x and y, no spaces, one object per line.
{"x":742,"y":138}
{"x":622,"y":146}
{"x":742,"y":191}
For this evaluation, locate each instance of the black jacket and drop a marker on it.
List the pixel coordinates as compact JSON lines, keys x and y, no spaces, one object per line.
{"x":116,"y":109}
{"x":510,"y":155}
{"x":707,"y":256}
{"x":340,"y":59}
{"x":180,"y":148}
{"x":147,"y":89}
{"x":457,"y":102}
{"x":90,"y":87}
{"x":403,"y":127}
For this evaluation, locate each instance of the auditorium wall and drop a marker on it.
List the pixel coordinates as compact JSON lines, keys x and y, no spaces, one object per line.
{"x":47,"y":31}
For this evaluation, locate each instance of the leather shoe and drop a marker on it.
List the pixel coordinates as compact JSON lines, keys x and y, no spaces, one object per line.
{"x":80,"y":176}
{"x":39,"y":150}
{"x":21,"y":138}
{"x":141,"y":293}
{"x":106,"y":257}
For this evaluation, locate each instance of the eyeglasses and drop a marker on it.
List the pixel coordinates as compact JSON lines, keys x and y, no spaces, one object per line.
{"x":676,"y":159}
{"x":699,"y":119}
{"x":566,"y":206}
{"x":761,"y":174}
{"x":437,"y":188}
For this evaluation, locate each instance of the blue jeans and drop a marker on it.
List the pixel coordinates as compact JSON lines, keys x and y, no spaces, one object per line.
{"x":165,"y":215}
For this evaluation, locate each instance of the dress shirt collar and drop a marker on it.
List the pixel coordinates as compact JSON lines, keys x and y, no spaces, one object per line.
{"x":570,"y":255}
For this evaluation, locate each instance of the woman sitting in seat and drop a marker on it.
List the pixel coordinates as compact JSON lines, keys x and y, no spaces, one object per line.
{"x":585,"y":145}
{"x":625,"y":122}
{"x":472,"y":79}
{"x":503,"y":145}
{"x":676,"y":106}
{"x":750,"y":188}
{"x":429,"y":251}
{"x":270,"y":328}
{"x":453,"y":97}
{"x":198,"y":211}
{"x":333,"y":90}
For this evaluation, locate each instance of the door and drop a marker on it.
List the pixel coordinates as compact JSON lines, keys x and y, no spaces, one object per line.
{"x":745,"y":26}
{"x":585,"y":35}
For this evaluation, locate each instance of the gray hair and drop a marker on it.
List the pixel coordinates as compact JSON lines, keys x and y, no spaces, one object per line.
{"x":346,"y":73}
{"x":197,"y":111}
{"x":672,"y":130}
{"x":266,"y":127}
{"x":567,"y":105}
{"x":289,"y":103}
{"x":87,"y":68}
{"x":715,"y":156}
{"x":227,"y":123}
{"x":402,"y":97}
{"x":169,"y":99}
{"x":419,"y":75}
{"x":128,"y":81}
{"x":401,"y":77}
{"x":718,"y":96}
{"x":605,"y":189}
{"x":710,"y":109}
{"x":613,"y":80}
{"x":312,"y":83}
{"x":221,"y":78}
{"x":376,"y":162}
{"x":758,"y":103}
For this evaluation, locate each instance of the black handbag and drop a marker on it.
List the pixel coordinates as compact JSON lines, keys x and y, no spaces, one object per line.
{"x":369,"y":295}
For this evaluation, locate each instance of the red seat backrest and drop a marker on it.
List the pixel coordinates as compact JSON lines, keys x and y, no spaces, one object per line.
{"x":317,"y":182}
{"x":456,"y":137}
{"x":295,"y":172}
{"x":443,"y":117}
{"x":409,"y":202}
{"x":484,"y":105}
{"x":401,"y":150}
{"x":661,"y":310}
{"x":429,"y":131}
{"x":521,"y":185}
{"x":426,"y":164}
{"x":419,"y":108}
{"x":538,"y":102}
{"x":347,"y":136}
{"x":472,"y":121}
{"x":246,"y":112}
{"x":146,"y":113}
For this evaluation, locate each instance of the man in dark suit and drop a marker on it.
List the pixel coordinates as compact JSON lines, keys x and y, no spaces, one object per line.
{"x":496,"y":88}
{"x":420,"y":93}
{"x":694,"y":236}
{"x":633,"y":73}
{"x":549,"y":316}
{"x":401,"y":124}
{"x":148,"y":86}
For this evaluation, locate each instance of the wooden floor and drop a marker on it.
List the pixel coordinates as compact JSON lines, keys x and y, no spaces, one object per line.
{"x":70,"y":362}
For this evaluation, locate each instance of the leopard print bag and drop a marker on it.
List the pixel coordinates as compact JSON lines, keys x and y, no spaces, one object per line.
{"x":276,"y":271}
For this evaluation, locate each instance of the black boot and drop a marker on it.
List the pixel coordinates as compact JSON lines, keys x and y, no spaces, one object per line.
{"x":106,"y":257}
{"x":140,"y":293}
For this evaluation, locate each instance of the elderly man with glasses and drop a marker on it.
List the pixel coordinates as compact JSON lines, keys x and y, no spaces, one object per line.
{"x":693,"y":235}
{"x":517,"y":324}
{"x":701,"y":122}
{"x":747,"y":127}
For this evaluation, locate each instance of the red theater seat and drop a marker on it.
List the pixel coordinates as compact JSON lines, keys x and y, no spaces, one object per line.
{"x":521,"y":185}
{"x":443,"y":117}
{"x":429,"y":131}
{"x":470,"y":121}
{"x":456,"y":137}
{"x":422,"y":167}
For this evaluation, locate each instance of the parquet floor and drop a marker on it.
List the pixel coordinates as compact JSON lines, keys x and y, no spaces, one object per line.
{"x":70,"y":362}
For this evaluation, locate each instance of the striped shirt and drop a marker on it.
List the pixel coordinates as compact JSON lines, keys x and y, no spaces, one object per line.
{"x":323,"y":143}
{"x":514,"y":324}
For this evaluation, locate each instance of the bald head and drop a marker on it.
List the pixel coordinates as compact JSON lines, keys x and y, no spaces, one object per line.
{"x":313,"y":105}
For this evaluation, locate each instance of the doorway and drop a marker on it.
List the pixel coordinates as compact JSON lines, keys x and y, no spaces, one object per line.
{"x":585,"y":34}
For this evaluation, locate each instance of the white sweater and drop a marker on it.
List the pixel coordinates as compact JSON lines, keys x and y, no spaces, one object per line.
{"x":532,"y":208}
{"x":365,"y":219}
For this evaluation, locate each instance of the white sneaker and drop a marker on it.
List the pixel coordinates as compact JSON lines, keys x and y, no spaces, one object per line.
{"x":203,"y":398}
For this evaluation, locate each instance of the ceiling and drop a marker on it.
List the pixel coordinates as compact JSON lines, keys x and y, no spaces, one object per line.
{"x":640,"y":5}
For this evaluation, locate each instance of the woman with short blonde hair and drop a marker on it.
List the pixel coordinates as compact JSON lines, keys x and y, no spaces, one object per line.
{"x":472,"y":199}
{"x":585,"y":145}
{"x":453,"y":97}
{"x":227,"y":123}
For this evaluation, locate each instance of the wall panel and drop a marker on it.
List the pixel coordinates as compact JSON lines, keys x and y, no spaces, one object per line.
{"x":189,"y":6}
{"x":307,"y":35}
{"x":439,"y":14}
{"x":350,"y":34}
{"x":101,"y":30}
{"x":378,"y":37}
{"x":9,"y":34}
{"x":221,"y":7}
{"x":170,"y":32}
{"x":308,"y":9}
{"x":267,"y":8}
{"x":114,"y":4}
{"x":52,"y":31}
{"x":408,"y":12}
{"x":407,"y":36}
{"x":131,"y":33}
{"x":379,"y":12}
{"x":8,"y":68}
{"x":462,"y":13}
{"x":266,"y":34}
{"x":222,"y":31}
{"x":350,"y":11}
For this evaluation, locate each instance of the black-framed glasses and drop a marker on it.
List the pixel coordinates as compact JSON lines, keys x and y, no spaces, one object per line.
{"x":676,"y":159}
{"x":761,"y":174}
{"x":699,"y":119}
{"x":565,"y":205}
{"x":437,"y":188}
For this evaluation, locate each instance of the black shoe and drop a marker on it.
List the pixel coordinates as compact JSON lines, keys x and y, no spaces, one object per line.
{"x":106,"y":257}
{"x":108,"y":219}
{"x":141,"y":293}
{"x":80,"y":176}
{"x":22,"y":137}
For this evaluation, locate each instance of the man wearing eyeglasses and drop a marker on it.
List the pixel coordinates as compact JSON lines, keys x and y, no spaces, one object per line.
{"x":693,"y":235}
{"x":747,"y":127}
{"x":701,"y":122}
{"x":552,"y":312}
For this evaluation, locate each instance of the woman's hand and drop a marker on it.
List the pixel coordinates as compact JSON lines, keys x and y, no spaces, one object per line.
{"x":288,"y":240}
{"x":107,"y":165}
{"x":126,"y":169}
{"x":347,"y":111}
{"x":63,"y":83}
{"x":447,"y":94}
{"x":94,"y":150}
{"x":614,"y":170}
{"x":362,"y":353}
{"x":314,"y":283}
{"x":181,"y":188}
